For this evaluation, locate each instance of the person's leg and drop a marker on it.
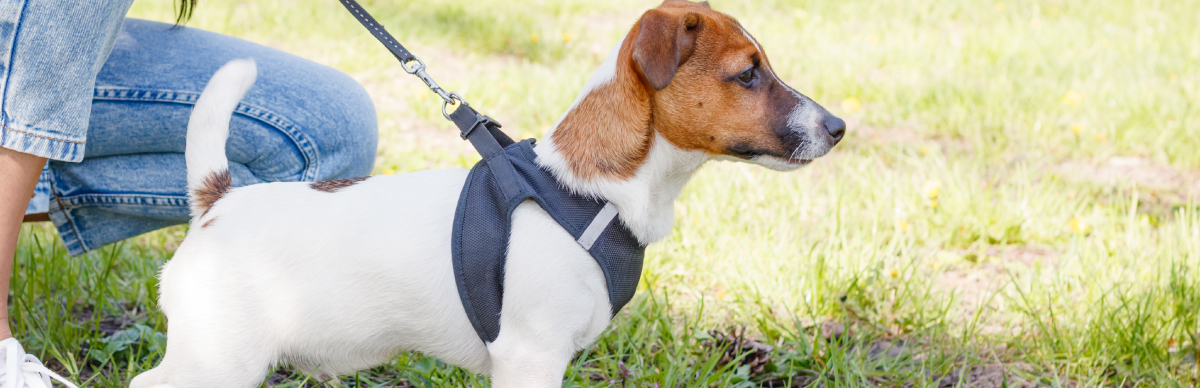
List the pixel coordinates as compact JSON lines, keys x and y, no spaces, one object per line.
{"x":18,"y":172}
{"x":301,"y":122}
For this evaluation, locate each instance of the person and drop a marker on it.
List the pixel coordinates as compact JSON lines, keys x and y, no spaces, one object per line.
{"x":95,"y":107}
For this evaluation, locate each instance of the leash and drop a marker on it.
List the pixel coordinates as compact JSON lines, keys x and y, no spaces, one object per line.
{"x":482,"y":131}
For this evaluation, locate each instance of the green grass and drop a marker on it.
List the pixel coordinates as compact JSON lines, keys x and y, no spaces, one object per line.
{"x":1021,"y":265}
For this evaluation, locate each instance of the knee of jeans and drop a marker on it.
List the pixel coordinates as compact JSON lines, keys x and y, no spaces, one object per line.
{"x":349,"y":136}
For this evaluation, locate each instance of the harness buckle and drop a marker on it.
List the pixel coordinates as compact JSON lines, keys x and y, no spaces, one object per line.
{"x":480,"y":119}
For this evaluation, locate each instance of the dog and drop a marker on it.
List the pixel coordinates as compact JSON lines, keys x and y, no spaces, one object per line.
{"x":337,"y":276}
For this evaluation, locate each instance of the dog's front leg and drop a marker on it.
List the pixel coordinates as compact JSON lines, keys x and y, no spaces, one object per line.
{"x":555,"y":303}
{"x":522,"y":362}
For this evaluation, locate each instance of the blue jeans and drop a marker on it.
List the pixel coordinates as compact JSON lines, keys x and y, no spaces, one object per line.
{"x":300,"y":122}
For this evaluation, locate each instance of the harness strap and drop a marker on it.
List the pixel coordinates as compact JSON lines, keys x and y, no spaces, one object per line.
{"x":597,"y":226}
{"x":485,"y":135}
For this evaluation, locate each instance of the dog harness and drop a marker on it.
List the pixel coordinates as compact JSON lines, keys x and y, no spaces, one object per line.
{"x":506,"y":177}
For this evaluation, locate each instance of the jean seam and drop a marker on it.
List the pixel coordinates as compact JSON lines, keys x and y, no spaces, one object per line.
{"x":125,"y":199}
{"x":12,"y":51}
{"x":284,"y":126}
{"x":67,"y":214}
{"x":43,"y":137}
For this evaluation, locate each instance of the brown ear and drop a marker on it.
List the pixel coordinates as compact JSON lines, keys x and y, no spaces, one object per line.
{"x":705,"y":4}
{"x":663,"y":43}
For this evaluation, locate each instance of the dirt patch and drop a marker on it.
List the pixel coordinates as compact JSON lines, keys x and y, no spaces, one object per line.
{"x":979,"y":276}
{"x":1161,"y":188}
{"x":1142,"y":172}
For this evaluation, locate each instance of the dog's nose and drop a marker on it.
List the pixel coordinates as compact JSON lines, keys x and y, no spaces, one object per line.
{"x":836,"y":127}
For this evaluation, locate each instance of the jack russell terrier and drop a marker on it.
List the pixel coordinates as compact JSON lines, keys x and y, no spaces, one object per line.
{"x":337,"y":276}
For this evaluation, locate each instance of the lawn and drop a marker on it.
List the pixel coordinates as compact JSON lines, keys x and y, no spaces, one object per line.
{"x":1017,"y":201}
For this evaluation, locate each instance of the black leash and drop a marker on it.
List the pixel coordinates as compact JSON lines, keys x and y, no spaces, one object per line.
{"x":483,"y":132}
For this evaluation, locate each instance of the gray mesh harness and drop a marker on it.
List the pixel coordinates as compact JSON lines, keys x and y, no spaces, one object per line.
{"x":505,"y":178}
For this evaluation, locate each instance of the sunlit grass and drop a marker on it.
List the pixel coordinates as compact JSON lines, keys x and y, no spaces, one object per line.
{"x":948,"y":224}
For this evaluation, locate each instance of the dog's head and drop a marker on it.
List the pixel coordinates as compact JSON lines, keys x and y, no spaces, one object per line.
{"x":714,"y":90}
{"x":696,"y":78}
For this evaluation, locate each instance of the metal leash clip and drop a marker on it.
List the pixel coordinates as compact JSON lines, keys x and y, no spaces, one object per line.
{"x":404,"y":56}
{"x":448,"y":98}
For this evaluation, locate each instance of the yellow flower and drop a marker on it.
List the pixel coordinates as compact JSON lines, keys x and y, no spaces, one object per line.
{"x":1101,"y":138}
{"x":923,"y":151}
{"x":999,"y":6}
{"x":1077,"y":128}
{"x":851,"y":105}
{"x":902,"y":225}
{"x":931,"y":188}
{"x":533,"y":37}
{"x":1072,"y":98}
{"x":1080,"y":226}
{"x":388,"y":171}
{"x":933,"y":203}
{"x":1174,"y":78}
{"x":895,"y":273}
{"x":566,"y":37}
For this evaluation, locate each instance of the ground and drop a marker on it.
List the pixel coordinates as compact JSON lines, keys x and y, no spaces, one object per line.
{"x":1015,"y":204}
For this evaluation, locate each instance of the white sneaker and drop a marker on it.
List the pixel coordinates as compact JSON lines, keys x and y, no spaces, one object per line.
{"x":20,"y":370}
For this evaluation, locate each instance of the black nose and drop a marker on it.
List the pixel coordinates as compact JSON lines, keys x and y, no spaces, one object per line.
{"x":836,"y":127}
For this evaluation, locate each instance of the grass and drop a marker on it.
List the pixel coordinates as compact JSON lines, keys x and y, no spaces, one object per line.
{"x":1015,"y":204}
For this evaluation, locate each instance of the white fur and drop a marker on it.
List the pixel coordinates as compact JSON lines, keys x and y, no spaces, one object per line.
{"x":205,"y":152}
{"x":336,"y":282}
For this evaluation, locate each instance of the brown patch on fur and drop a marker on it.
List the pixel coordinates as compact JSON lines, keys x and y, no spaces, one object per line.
{"x":208,"y":223}
{"x":214,"y":187}
{"x":673,"y":76}
{"x":336,"y":184}
{"x":608,"y":134}
{"x":736,"y":120}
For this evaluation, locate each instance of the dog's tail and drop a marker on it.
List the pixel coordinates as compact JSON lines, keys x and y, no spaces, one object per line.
{"x":207,"y":168}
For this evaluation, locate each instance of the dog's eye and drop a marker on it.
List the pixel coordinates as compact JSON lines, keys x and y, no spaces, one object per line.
{"x":746,"y":76}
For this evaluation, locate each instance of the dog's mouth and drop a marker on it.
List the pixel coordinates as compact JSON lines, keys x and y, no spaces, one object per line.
{"x":767,"y":158}
{"x":797,"y":161}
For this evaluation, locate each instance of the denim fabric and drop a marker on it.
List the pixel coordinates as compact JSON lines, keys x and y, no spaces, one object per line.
{"x":300,"y":122}
{"x":50,"y":52}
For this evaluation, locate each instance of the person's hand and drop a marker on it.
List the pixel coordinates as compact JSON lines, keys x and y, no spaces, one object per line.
{"x":18,"y":175}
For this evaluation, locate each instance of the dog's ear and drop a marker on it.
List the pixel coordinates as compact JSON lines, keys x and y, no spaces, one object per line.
{"x":664,"y":42}
{"x":705,"y":4}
